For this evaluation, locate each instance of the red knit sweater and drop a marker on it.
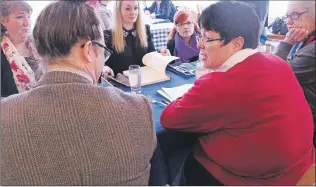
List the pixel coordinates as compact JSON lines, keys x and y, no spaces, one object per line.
{"x":256,"y":126}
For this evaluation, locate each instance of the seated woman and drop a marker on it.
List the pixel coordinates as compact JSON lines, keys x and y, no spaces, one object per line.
{"x":254,"y":124}
{"x":129,"y":39}
{"x":301,"y":24}
{"x":20,"y":63}
{"x":183,"y":37}
{"x":162,"y":9}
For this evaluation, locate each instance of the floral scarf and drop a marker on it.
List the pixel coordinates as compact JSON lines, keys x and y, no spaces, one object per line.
{"x":23,"y":75}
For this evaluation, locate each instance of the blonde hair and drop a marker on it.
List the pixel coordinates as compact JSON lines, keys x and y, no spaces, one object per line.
{"x":118,"y":40}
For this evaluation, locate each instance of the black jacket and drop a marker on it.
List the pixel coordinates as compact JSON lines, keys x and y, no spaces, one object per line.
{"x":132,"y":54}
{"x":8,"y":86}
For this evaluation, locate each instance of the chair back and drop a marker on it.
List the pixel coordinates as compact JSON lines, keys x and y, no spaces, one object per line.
{"x":308,"y":178}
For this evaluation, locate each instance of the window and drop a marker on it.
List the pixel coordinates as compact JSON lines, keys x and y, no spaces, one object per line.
{"x":37,"y":7}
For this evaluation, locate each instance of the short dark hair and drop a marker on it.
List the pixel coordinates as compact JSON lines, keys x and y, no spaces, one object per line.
{"x":61,"y":24}
{"x":232,"y":19}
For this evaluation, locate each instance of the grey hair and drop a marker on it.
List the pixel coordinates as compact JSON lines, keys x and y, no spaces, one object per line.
{"x":6,"y":7}
{"x":61,"y":25}
{"x":308,"y":5}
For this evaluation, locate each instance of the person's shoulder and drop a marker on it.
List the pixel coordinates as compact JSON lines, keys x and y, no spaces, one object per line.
{"x":171,"y":45}
{"x":13,"y":101}
{"x":308,"y":50}
{"x":265,"y":60}
{"x":119,"y":97}
{"x":211,"y":80}
{"x":107,"y":33}
{"x":147,"y":26}
{"x":108,"y":37}
{"x":171,"y":42}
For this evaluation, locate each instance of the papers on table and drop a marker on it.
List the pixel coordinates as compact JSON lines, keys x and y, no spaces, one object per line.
{"x":172,"y":94}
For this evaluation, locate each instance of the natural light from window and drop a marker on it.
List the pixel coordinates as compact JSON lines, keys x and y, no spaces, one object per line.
{"x":276,"y":8}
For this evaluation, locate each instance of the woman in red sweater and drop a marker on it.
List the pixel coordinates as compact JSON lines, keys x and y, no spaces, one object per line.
{"x":254,"y":124}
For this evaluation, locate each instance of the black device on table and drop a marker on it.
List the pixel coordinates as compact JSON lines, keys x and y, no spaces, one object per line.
{"x":185,"y":70}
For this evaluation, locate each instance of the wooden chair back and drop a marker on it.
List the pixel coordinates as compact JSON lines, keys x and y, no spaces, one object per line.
{"x":308,"y":178}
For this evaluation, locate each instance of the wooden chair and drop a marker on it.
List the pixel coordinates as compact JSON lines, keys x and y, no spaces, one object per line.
{"x":308,"y":178}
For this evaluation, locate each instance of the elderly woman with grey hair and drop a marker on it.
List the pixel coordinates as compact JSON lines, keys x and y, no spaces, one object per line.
{"x":298,"y":48}
{"x":20,"y":64}
{"x":68,"y":130}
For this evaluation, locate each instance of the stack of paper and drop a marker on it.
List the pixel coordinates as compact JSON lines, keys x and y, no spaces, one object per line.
{"x":172,"y":94}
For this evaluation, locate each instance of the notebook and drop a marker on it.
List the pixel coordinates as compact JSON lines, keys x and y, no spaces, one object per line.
{"x":172,"y":94}
{"x":154,"y":70}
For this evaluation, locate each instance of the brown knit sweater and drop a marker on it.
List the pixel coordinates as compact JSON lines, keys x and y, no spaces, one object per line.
{"x":67,"y":131}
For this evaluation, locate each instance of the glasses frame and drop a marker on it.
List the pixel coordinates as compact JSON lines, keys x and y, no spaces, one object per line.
{"x":200,"y":39}
{"x":107,"y":52}
{"x":181,"y":25}
{"x":298,"y":14}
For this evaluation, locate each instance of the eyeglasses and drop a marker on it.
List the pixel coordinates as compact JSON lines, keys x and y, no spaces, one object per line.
{"x":189,"y":23}
{"x":207,"y":40}
{"x":104,"y":5}
{"x":293,"y":15}
{"x":107,"y":52}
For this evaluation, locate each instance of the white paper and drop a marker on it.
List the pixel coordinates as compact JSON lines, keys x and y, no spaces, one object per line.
{"x":176,"y":92}
{"x":157,"y":62}
{"x":163,"y":94}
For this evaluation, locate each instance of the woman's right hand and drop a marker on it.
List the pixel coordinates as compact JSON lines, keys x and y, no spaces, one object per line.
{"x":165,"y":52}
{"x":153,"y":16}
{"x":296,"y":34}
{"x":107,"y":71}
{"x":147,"y":12}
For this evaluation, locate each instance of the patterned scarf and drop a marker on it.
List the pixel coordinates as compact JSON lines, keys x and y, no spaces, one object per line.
{"x":23,"y":75}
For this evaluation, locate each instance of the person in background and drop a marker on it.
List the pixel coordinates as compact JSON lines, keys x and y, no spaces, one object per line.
{"x":67,"y":130}
{"x":183,"y":37}
{"x":299,"y":46}
{"x":96,"y":5}
{"x":248,"y":134}
{"x":262,"y":9}
{"x":106,"y":14}
{"x":162,"y":9}
{"x":20,"y":64}
{"x":130,"y":39}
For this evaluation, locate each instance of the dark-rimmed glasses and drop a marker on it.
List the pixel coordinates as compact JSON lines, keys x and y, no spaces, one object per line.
{"x":107,"y":51}
{"x":207,"y":40}
{"x":294,"y":15}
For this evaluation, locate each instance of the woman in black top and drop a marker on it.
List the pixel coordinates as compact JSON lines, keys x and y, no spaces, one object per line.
{"x":129,"y":39}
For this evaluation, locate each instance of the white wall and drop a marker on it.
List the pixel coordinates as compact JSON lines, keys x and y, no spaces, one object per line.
{"x":37,"y":7}
{"x":277,"y":8}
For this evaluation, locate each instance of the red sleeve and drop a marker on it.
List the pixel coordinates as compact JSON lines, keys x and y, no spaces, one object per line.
{"x":202,"y":109}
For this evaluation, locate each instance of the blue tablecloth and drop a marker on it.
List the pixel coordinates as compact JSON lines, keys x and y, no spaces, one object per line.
{"x":176,"y":80}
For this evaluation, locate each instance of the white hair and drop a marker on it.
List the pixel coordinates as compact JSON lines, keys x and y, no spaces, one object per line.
{"x":308,"y":4}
